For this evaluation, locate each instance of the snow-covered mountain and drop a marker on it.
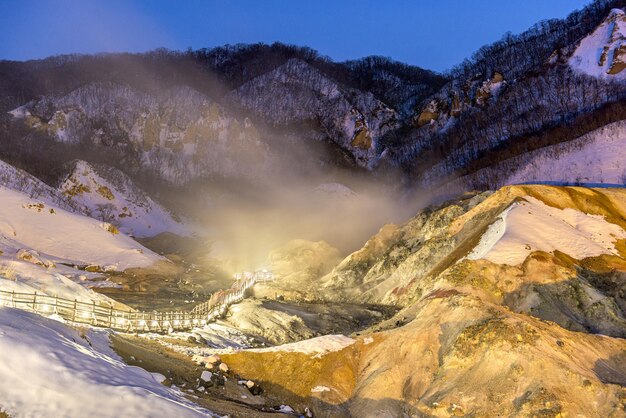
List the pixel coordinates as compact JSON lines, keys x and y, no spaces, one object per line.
{"x":550,"y":85}
{"x":260,"y":112}
{"x":101,"y":192}
{"x":296,"y":92}
{"x":179,"y":133}
{"x":21,"y":181}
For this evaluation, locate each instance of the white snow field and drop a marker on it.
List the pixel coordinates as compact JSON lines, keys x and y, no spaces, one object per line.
{"x":49,"y":370}
{"x":597,"y":157}
{"x":41,"y":243}
{"x":61,"y":236}
{"x":532,"y":225}
{"x":594,"y":159}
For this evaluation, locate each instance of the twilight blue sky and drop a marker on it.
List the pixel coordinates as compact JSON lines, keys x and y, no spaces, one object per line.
{"x":432,"y":34}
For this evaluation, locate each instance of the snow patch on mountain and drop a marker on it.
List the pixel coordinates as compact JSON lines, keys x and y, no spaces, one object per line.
{"x":49,"y":369}
{"x":110,"y":195}
{"x":531,"y":225}
{"x":603,"y":53}
{"x":598,"y":157}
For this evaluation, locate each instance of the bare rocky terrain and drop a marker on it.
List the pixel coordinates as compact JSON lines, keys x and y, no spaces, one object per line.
{"x":472,"y":337}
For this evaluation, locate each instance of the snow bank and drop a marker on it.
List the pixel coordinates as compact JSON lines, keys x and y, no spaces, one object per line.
{"x":66,"y":237}
{"x":47,"y":369}
{"x":24,"y":277}
{"x":598,"y":157}
{"x":318,"y":346}
{"x":532,"y":225}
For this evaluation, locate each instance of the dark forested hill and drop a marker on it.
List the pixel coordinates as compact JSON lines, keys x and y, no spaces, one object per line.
{"x":253,"y":111}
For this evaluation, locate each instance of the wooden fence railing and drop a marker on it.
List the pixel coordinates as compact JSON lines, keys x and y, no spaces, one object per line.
{"x":105,"y":315}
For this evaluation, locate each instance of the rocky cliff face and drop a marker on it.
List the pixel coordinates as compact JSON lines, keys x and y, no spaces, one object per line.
{"x":180,"y":134}
{"x":552,"y":252}
{"x":296,"y":92}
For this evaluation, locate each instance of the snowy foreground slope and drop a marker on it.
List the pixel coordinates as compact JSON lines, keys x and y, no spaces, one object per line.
{"x":64,"y":236}
{"x":41,"y":246}
{"x":51,"y":370}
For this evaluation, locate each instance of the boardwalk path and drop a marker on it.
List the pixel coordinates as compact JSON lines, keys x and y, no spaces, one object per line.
{"x":105,"y":315}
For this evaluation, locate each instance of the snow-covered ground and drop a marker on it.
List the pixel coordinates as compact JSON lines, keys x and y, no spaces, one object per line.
{"x":593,"y":159}
{"x":598,"y":157}
{"x":40,"y":244}
{"x":50,"y":370}
{"x":65,"y":282}
{"x":318,"y":346}
{"x":532,"y":225}
{"x":61,"y":236}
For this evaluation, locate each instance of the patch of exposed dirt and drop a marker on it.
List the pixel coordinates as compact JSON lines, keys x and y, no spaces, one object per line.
{"x":229,"y":398}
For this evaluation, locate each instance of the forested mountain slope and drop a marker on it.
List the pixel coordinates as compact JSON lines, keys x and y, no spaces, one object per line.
{"x":255,"y":112}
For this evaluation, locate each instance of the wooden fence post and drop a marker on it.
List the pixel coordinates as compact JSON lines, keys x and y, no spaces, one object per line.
{"x":216,"y":306}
